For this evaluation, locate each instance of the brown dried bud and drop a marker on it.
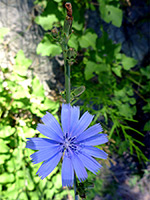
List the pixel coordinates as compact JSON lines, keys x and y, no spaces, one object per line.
{"x":69,"y":9}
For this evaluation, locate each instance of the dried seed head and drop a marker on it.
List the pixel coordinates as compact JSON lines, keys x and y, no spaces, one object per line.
{"x":69,"y":9}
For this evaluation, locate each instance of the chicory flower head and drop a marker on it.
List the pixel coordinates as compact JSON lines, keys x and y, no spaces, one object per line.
{"x":74,"y":141}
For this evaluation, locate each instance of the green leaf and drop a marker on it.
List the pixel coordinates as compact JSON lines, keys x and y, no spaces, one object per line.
{"x":146,"y":108}
{"x":130,"y":128}
{"x":88,"y":40}
{"x":23,"y":196}
{"x":126,"y":110}
{"x":34,"y":195}
{"x":46,"y":48}
{"x":37,"y":88}
{"x":36,"y":109}
{"x":146,"y":71}
{"x":11,"y":164}
{"x":111,"y":14}
{"x":30,"y":185}
{"x":6,"y":131}
{"x":92,"y":67}
{"x":147,"y":126}
{"x":128,"y":62}
{"x":3,"y":147}
{"x":57,"y":181}
{"x":73,"y":42}
{"x":22,"y":63}
{"x":77,"y":91}
{"x":51,"y":105}
{"x":46,"y":22}
{"x":89,"y":69}
{"x":3,"y":158}
{"x":77,"y":26}
{"x":132,"y":101}
{"x":103,"y":67}
{"x":27,"y":132}
{"x":6,"y":178}
{"x":12,"y":191}
{"x":117,"y":70}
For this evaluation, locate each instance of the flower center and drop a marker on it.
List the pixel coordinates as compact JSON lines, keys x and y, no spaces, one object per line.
{"x":69,"y":143}
{"x":66,"y":143}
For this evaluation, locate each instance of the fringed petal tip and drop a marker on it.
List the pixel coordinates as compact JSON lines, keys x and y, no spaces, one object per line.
{"x":67,"y":183}
{"x":30,"y":144}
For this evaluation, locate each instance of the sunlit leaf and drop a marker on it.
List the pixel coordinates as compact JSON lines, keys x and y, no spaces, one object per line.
{"x":88,"y":40}
{"x":128,"y":62}
{"x":46,"y":21}
{"x":6,"y":178}
{"x":110,"y":13}
{"x":46,"y":48}
{"x":22,"y":63}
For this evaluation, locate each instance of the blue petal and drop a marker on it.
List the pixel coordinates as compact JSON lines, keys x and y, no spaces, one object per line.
{"x":95,"y":140}
{"x":39,"y":143}
{"x":75,"y":113}
{"x":44,"y":154}
{"x":82,"y":124}
{"x":50,"y":121}
{"x":48,"y":166}
{"x":90,"y":163}
{"x":47,"y":131}
{"x":79,"y":167}
{"x":69,"y":117}
{"x":67,"y":172}
{"x":93,"y":130}
{"x":65,"y":117}
{"x":93,"y":151}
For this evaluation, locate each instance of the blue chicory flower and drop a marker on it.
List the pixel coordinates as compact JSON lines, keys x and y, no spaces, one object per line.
{"x":74,"y":142}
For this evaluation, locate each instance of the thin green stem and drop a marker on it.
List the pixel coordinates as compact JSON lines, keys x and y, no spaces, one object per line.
{"x":67,"y":81}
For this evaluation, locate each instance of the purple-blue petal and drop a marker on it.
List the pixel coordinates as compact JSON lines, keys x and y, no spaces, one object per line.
{"x":95,"y":140}
{"x":75,"y":113}
{"x":49,"y":132}
{"x":82,"y":124}
{"x":93,"y":151}
{"x":44,"y":154}
{"x":90,"y":163}
{"x":69,"y":117}
{"x":93,"y":130}
{"x":50,"y":121}
{"x":39,"y":143}
{"x":65,"y":117}
{"x":79,"y":167}
{"x":48,"y":166}
{"x":67,"y":172}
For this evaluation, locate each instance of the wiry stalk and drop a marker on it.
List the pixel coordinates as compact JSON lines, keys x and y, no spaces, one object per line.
{"x":66,"y":34}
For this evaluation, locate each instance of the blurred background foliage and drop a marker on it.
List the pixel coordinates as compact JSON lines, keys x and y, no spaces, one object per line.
{"x":117,"y":93}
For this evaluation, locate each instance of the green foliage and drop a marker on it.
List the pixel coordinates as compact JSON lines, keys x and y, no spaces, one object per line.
{"x":46,"y":22}
{"x":110,"y":12}
{"x":109,"y":80}
{"x":22,"y":103}
{"x":87,"y":40}
{"x":47,"y":48}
